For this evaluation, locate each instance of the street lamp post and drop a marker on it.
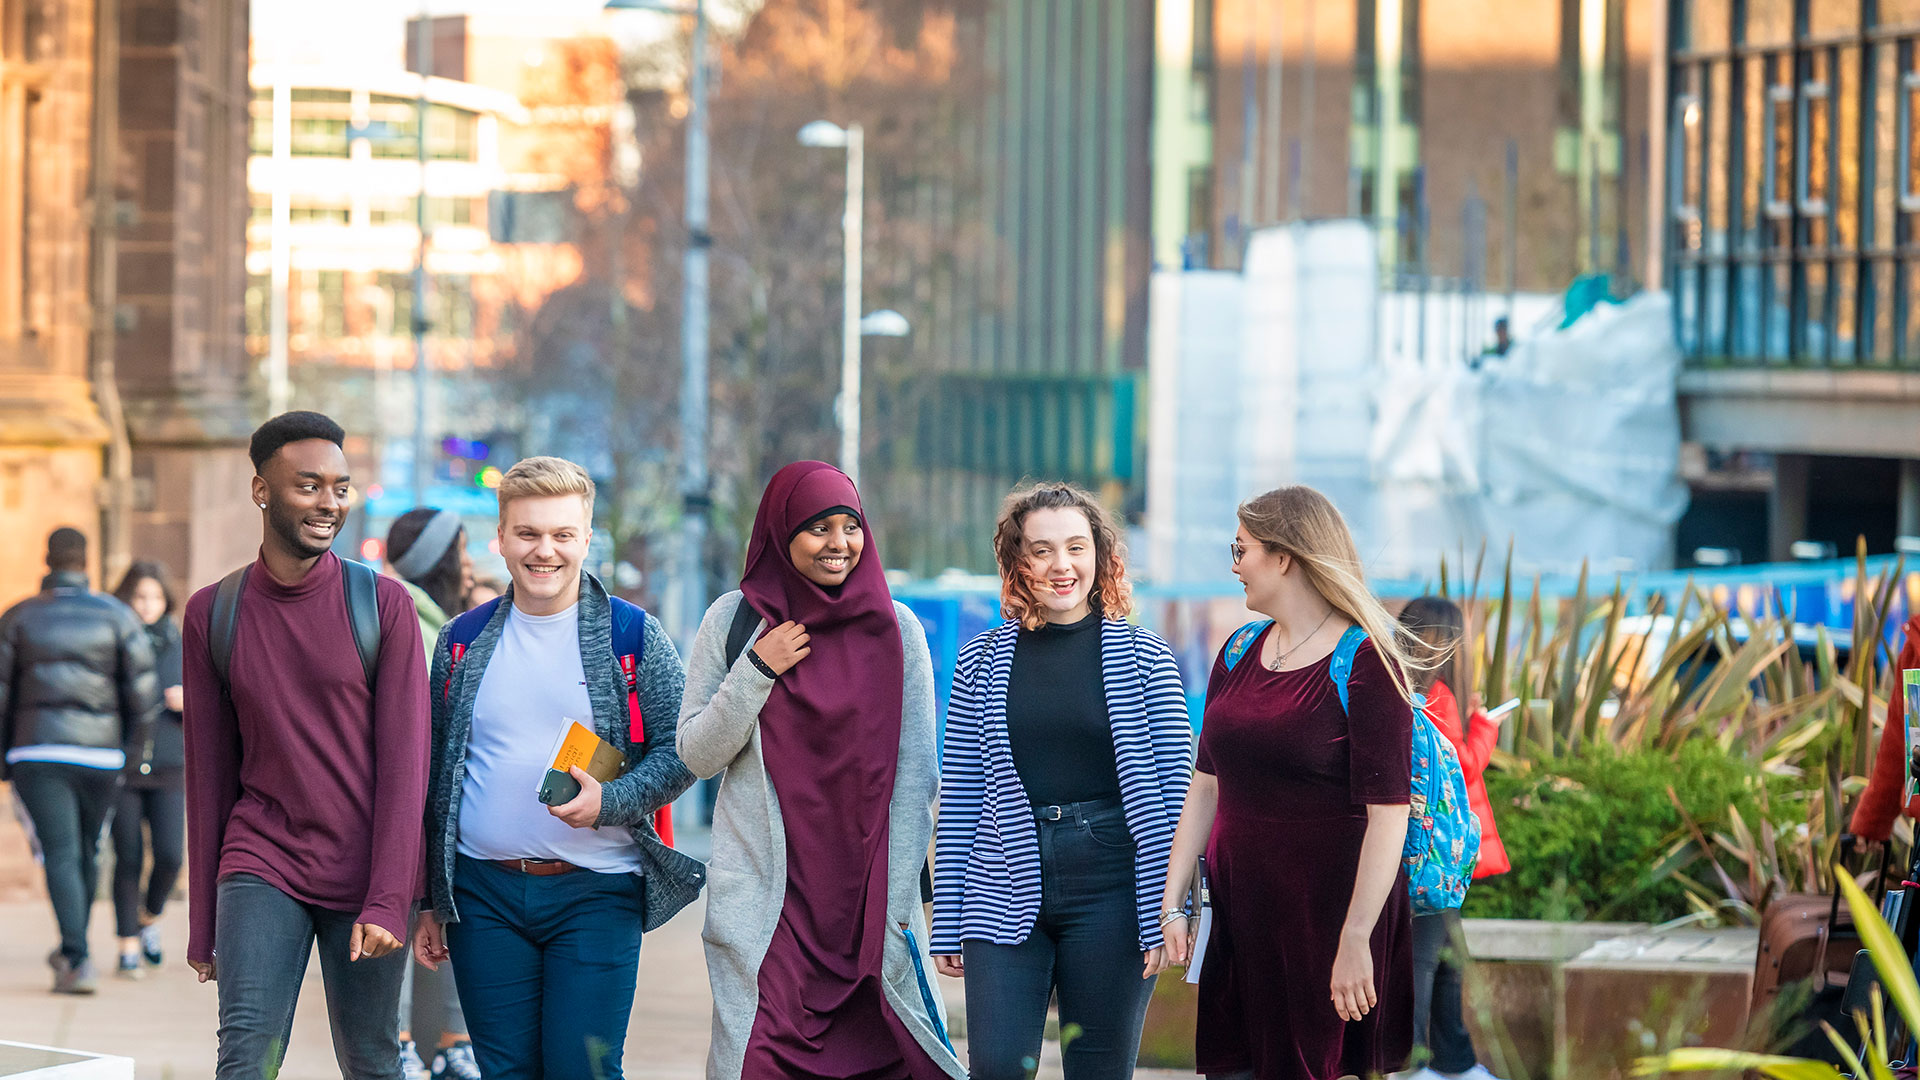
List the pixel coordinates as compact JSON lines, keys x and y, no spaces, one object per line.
{"x":852,"y":138}
{"x":690,"y":585}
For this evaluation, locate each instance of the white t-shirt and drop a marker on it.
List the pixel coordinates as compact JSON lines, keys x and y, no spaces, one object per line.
{"x":533,"y":685}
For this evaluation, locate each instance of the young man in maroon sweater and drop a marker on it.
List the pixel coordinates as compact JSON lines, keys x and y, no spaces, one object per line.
{"x":306,"y":780}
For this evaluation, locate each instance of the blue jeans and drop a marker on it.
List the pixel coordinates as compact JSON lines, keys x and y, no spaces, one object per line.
{"x":1085,"y":944}
{"x":1439,"y":1023}
{"x":261,"y":940}
{"x":546,"y":969}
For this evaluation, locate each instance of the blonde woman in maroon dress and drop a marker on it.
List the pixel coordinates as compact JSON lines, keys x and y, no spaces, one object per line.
{"x":1300,"y":808}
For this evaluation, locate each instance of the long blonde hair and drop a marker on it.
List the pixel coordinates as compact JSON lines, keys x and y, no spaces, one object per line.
{"x":1301,"y":523}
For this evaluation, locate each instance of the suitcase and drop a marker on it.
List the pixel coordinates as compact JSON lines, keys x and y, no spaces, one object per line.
{"x":1803,"y":937}
{"x":1807,"y":947}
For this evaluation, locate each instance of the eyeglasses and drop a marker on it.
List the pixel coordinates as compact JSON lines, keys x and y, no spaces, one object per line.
{"x":1238,"y":549}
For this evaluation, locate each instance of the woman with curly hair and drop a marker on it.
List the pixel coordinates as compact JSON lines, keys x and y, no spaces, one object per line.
{"x":1066,"y":762}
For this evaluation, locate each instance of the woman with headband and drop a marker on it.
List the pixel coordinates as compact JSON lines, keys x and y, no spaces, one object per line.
{"x":427,"y":551}
{"x":823,"y":722}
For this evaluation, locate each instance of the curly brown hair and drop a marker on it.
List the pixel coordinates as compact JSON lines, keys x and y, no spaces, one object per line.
{"x":1112,"y":593}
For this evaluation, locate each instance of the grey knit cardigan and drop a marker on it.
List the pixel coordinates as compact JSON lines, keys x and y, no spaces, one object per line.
{"x":747,"y":874}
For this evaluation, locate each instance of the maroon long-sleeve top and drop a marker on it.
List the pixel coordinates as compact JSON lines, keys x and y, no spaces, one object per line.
{"x":306,"y":778}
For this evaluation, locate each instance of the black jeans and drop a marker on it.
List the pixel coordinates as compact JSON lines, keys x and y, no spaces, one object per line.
{"x":1085,"y":944}
{"x":162,"y":814}
{"x":261,"y":940}
{"x":69,"y":805}
{"x":1438,"y":1020}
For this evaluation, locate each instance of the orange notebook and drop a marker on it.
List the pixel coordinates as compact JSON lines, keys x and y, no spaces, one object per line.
{"x":578,"y":746}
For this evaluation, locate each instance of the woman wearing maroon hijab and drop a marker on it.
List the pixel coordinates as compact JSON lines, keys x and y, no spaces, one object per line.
{"x":824,"y":727}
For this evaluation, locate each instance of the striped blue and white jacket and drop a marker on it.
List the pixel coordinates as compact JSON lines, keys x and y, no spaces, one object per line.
{"x":987,"y":846}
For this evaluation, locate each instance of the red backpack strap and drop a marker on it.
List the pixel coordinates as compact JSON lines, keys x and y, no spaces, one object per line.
{"x":454,"y":653}
{"x":636,"y":727}
{"x":629,"y":641}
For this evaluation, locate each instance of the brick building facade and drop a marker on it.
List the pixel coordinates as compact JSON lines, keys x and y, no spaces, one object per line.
{"x":1514,"y":132}
{"x":122,"y":379}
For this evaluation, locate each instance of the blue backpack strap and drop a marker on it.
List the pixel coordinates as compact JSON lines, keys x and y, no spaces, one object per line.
{"x":1341,"y":667}
{"x":467,"y":625}
{"x":629,"y":638}
{"x":1241,"y":640}
{"x":464,"y":630}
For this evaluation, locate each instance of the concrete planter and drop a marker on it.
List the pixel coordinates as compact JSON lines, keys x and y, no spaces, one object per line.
{"x":23,"y":1061}
{"x":1568,"y":1001}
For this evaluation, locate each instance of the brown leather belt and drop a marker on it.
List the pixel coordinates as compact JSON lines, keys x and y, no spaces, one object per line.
{"x":537,"y":867}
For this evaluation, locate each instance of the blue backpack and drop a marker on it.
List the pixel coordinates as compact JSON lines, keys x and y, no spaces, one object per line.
{"x":1443,"y":835}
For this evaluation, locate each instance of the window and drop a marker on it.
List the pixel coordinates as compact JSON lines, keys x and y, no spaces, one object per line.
{"x":320,"y":119}
{"x":390,"y":211}
{"x":260,"y":123}
{"x":441,"y":210}
{"x":259,"y":305}
{"x":1806,"y":115}
{"x":1387,"y":99}
{"x":451,"y":133}
{"x":452,"y":306}
{"x":398,"y":293}
{"x":1199,"y":215}
{"x":391,"y":124}
{"x":1203,"y":64}
{"x":307,"y":211}
{"x":331,"y":285}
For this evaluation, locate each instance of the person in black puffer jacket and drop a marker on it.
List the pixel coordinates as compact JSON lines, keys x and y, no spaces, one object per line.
{"x":77,"y":699}
{"x":154,"y":801}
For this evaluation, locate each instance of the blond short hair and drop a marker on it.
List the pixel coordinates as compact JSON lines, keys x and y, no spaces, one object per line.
{"x":538,"y":477}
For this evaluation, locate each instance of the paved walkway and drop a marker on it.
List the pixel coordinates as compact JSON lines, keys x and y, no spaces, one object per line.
{"x":166,"y":1021}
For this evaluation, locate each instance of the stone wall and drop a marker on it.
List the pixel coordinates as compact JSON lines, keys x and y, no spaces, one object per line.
{"x":50,"y":434}
{"x":181,"y":179}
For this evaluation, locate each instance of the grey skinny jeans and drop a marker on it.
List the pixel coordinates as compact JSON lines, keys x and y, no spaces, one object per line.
{"x":261,"y":940}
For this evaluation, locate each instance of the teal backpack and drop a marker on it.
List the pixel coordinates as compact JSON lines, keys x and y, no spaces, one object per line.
{"x":1443,"y":836}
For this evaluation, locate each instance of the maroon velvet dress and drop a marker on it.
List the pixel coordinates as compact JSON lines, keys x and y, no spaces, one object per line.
{"x":1296,"y":775}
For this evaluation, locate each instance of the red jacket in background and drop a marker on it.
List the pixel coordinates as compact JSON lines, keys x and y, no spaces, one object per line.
{"x":1873,"y":818}
{"x":1474,"y":750}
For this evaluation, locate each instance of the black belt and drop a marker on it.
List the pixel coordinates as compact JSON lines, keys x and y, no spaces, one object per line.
{"x":1074,"y":810}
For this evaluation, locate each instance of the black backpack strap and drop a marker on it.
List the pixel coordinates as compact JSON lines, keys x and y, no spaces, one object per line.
{"x":224,"y":623}
{"x":740,"y":631}
{"x":363,"y":611}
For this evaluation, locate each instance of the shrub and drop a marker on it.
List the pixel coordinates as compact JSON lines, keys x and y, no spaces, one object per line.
{"x":1590,"y":835}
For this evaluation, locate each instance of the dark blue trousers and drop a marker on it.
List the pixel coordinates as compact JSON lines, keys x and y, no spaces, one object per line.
{"x":546,"y":968}
{"x":1085,"y":946}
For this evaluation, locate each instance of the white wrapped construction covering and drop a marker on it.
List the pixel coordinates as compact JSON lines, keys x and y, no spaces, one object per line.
{"x":1569,"y":445}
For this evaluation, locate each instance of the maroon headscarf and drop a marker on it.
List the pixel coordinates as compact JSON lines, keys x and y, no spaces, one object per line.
{"x":830,"y":736}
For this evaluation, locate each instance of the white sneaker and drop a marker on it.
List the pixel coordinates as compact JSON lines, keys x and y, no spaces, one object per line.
{"x":411,"y":1065}
{"x":1478,"y":1072}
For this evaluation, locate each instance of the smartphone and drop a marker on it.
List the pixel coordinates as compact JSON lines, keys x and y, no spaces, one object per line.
{"x":1503,"y":708}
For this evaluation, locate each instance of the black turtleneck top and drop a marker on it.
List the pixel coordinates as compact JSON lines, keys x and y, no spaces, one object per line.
{"x":1057,"y":715}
